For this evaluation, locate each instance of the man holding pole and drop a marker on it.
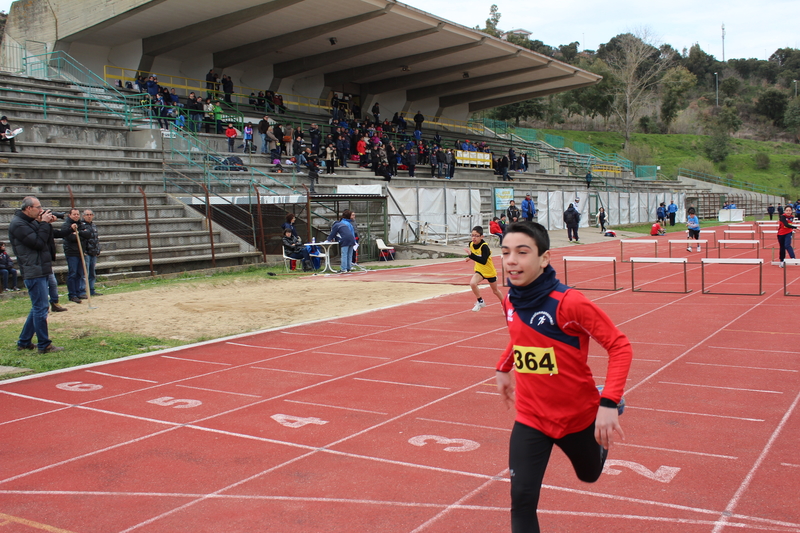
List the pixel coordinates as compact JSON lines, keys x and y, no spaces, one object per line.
{"x":90,"y":252}
{"x":74,"y":255}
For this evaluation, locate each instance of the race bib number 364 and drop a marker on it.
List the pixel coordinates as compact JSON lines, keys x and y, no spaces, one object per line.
{"x":531,"y":360}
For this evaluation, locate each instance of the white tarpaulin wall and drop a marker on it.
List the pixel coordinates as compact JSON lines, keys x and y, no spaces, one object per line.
{"x":621,"y":207}
{"x":458,"y":209}
{"x":551,"y":206}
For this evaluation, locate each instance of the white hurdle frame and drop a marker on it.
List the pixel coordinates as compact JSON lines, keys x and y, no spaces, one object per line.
{"x":717,"y":261}
{"x":682,"y":260}
{"x":705,"y":234}
{"x":737,"y":241}
{"x":733,"y":232}
{"x":635,"y":241}
{"x":786,"y":264}
{"x":687,"y":242}
{"x":612,"y":260}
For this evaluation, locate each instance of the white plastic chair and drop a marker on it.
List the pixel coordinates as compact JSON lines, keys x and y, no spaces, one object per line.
{"x":383,"y":248}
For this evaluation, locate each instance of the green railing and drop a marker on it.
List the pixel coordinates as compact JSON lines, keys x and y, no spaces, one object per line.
{"x":647,"y":172}
{"x":730,"y":182}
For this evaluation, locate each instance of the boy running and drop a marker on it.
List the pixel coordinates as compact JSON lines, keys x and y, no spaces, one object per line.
{"x":484,"y":268}
{"x":556,"y":399}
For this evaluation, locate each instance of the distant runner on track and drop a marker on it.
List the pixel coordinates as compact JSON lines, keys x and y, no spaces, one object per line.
{"x":479,"y":252}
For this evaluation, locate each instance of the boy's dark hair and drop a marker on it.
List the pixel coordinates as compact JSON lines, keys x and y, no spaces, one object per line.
{"x":289,"y":217}
{"x":535,"y":231}
{"x":478,"y":230}
{"x":691,"y":211}
{"x":346,"y":214}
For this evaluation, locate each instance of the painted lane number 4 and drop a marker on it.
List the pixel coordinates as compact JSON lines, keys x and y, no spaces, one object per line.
{"x":664,"y":474}
{"x":460,"y":445}
{"x":295,"y":422}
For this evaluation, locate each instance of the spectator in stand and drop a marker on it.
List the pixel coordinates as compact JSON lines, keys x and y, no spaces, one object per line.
{"x":330,"y":159}
{"x":376,"y":112}
{"x":343,"y":147}
{"x":231,"y":134}
{"x":211,"y":83}
{"x":401,"y":125}
{"x":502,"y":168}
{"x":247,"y":134}
{"x":441,"y":162}
{"x":279,"y":104}
{"x":419,"y":118}
{"x":218,"y":116}
{"x":334,"y":108}
{"x":7,"y":270}
{"x":208,"y":115}
{"x":5,"y":131}
{"x":452,"y":162}
{"x":263,"y":125}
{"x":260,"y":100}
{"x":316,"y":138}
{"x":277,"y":130}
{"x":589,"y":179}
{"x":512,"y":159}
{"x":523,"y":162}
{"x":391,"y":158}
{"x":174,"y":97}
{"x":152,"y":86}
{"x":274,"y":150}
{"x":288,"y":140}
{"x":227,"y":88}
{"x":412,"y":162}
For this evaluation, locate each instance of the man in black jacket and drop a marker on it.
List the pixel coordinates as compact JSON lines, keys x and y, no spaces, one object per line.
{"x":75,"y":281}
{"x":5,"y":131}
{"x":572,"y":219}
{"x":29,"y":234}
{"x":91,"y":250}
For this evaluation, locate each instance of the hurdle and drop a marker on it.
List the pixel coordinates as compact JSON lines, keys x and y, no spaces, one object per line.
{"x":622,"y":242}
{"x":786,"y":264}
{"x":706,"y":233}
{"x":707,"y":261}
{"x":731,"y":233}
{"x":682,"y":260}
{"x":741,"y":225}
{"x":612,"y":260}
{"x":768,"y":233}
{"x":687,"y":242}
{"x":738,"y":241}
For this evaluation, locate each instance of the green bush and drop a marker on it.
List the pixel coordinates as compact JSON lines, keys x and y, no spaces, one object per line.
{"x":762,"y":161}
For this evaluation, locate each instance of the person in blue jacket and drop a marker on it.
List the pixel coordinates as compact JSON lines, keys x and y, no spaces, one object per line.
{"x":342,"y":232}
{"x":672,"y":210}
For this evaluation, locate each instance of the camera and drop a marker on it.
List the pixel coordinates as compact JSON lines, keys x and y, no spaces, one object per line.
{"x":57,"y":214}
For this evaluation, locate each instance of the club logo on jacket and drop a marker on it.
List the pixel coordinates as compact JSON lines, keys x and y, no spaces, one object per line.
{"x":510,"y":315}
{"x":540,"y":317}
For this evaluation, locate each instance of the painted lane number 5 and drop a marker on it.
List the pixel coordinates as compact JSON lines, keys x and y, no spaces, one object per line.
{"x":169,"y":401}
{"x":460,"y":445}
{"x":664,"y":474}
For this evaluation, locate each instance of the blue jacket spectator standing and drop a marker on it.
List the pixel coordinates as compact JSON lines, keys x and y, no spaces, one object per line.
{"x":528,"y":208}
{"x":672,"y":209}
{"x":342,"y":232}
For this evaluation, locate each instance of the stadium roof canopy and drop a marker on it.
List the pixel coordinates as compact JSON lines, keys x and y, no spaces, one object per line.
{"x":369,"y":48}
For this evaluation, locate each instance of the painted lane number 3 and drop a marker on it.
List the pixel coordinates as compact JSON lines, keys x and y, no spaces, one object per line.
{"x":460,"y":445}
{"x":533,"y":360}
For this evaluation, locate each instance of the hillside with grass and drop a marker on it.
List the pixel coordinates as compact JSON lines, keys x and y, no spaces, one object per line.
{"x":770,"y":164}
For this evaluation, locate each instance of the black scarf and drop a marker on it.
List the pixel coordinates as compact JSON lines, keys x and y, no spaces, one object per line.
{"x":533,"y":295}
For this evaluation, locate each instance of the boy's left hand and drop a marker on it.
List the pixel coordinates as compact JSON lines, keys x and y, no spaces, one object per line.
{"x":605,"y":425}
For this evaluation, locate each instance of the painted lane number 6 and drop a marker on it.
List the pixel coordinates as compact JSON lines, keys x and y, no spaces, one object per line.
{"x":664,"y":474}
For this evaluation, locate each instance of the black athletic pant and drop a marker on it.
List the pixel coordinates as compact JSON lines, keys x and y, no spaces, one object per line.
{"x":528,"y":457}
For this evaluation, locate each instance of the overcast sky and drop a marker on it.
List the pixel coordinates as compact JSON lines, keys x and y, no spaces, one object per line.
{"x":752,"y":29}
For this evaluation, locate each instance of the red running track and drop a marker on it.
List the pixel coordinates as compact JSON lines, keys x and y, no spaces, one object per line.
{"x":389,"y":421}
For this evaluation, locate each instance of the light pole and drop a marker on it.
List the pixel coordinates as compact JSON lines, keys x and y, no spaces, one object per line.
{"x":716,"y":79}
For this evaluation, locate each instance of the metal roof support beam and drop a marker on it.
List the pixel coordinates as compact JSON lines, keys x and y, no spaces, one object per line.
{"x":246,"y":52}
{"x":401,"y":82}
{"x":489,"y":104}
{"x":465,"y":98}
{"x":287,"y":69}
{"x":357,"y":73}
{"x":421,"y":93}
{"x":158,"y":44}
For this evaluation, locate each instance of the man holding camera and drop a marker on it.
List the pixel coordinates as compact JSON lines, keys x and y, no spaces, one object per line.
{"x":75,"y":278}
{"x":29,"y":234}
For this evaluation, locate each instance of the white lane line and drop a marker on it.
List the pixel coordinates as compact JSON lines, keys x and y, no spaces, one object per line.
{"x":120,"y":377}
{"x":635,"y":359}
{"x":259,"y":347}
{"x":353,"y":355}
{"x":716,"y":387}
{"x":312,"y":335}
{"x":790,"y":464}
{"x":751,"y":349}
{"x":399,"y":383}
{"x":454,"y":364}
{"x":450,"y":422}
{"x":34,"y":416}
{"x":694,"y":414}
{"x":291,"y":371}
{"x":365,"y":338}
{"x":656,"y":343}
{"x":487,"y":392}
{"x":337,"y":407}
{"x":195,"y":360}
{"x":747,"y":367}
{"x":724,"y":517}
{"x":672,"y":450}
{"x":220,"y":391}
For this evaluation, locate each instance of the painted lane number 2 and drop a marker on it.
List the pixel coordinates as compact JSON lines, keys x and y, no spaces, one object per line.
{"x":459,"y":445}
{"x":664,"y":474}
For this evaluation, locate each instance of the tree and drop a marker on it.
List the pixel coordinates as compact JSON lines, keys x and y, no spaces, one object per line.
{"x":637,"y":67}
{"x":534,"y":108}
{"x":491,"y":22}
{"x":791,"y":118}
{"x":569,"y":51}
{"x":674,"y":85}
{"x":730,"y":87}
{"x":772,"y":104}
